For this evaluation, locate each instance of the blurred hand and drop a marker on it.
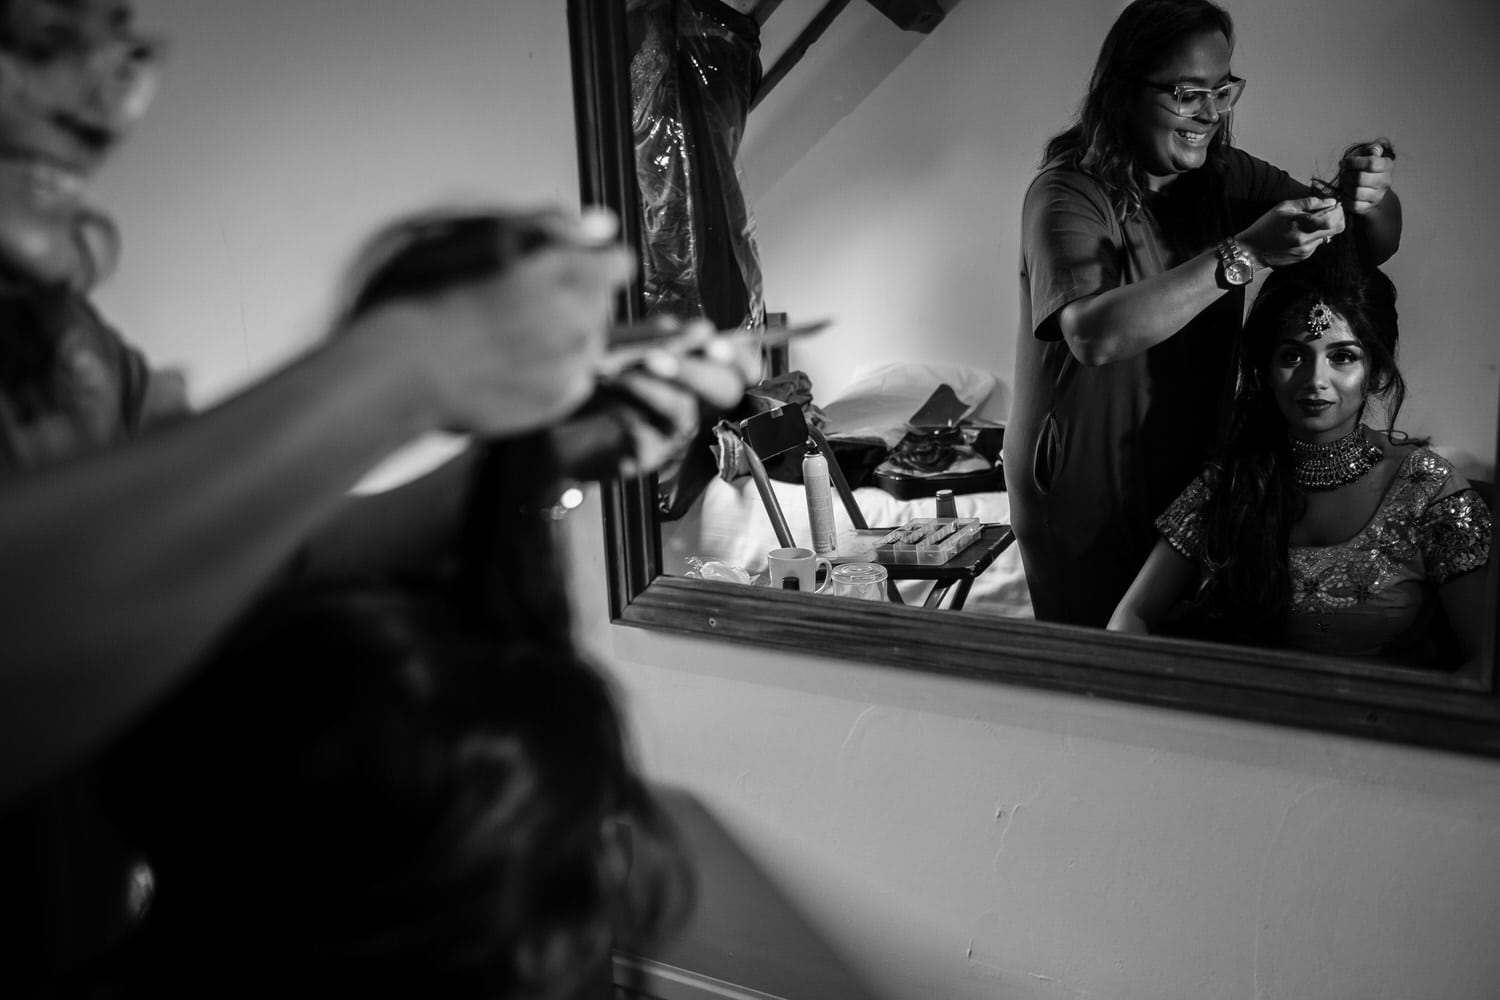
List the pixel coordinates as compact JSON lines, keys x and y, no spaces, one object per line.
{"x":517,"y":351}
{"x":1365,"y":176}
{"x":1292,"y":230}
{"x":685,"y":381}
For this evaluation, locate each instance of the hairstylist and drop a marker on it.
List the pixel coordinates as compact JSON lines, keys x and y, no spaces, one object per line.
{"x":1140,"y":232}
{"x":131,"y":531}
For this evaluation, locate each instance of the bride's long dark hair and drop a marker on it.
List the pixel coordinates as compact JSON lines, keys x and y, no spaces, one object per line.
{"x":1253,"y":500}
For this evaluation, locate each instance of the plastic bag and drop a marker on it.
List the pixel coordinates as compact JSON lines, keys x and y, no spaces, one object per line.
{"x":714,"y":569}
{"x":693,"y":75}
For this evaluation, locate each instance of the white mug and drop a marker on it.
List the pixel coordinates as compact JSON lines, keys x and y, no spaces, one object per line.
{"x":804,"y":564}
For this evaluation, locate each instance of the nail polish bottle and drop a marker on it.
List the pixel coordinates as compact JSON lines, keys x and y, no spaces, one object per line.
{"x":946,"y":505}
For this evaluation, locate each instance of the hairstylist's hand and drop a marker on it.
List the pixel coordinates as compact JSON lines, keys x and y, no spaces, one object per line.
{"x":678,"y":385}
{"x":517,"y":351}
{"x":1292,"y":231}
{"x":1365,"y":176}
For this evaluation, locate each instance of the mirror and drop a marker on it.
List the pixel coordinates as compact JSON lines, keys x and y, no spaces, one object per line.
{"x":929,"y":220}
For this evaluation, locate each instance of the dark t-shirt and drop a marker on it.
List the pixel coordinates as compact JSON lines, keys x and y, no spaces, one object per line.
{"x":1094,"y":454}
{"x":84,"y":390}
{"x":94,"y":390}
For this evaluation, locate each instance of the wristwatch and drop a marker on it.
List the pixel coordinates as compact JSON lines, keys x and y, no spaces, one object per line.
{"x":1234,"y":263}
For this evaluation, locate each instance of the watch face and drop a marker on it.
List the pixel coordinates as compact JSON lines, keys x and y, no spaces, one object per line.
{"x":1238,"y":272}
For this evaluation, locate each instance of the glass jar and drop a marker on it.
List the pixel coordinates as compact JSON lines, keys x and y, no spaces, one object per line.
{"x":864,"y":581}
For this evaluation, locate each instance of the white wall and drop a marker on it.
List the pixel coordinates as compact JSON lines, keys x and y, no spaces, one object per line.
{"x":903,"y":221}
{"x":967,"y":841}
{"x":286,"y":132}
{"x":960,"y":840}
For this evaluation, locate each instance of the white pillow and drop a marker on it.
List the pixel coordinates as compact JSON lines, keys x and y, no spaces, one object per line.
{"x":882,"y":399}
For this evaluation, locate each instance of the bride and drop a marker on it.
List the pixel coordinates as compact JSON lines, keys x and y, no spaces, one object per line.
{"x":1311,"y":529}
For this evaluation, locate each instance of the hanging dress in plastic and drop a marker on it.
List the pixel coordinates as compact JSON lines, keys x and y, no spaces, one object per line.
{"x":693,"y":74}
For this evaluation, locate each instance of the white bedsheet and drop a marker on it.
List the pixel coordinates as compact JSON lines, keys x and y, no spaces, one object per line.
{"x":729,"y":523}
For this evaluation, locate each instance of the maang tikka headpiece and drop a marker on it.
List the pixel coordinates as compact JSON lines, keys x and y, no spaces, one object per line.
{"x":1319,"y":319}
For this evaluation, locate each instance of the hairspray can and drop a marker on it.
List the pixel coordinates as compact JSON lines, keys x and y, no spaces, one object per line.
{"x":819,"y":491}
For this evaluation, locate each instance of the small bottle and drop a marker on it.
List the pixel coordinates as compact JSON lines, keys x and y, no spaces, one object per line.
{"x":790,"y":583}
{"x":946,"y":505}
{"x":819,"y":489}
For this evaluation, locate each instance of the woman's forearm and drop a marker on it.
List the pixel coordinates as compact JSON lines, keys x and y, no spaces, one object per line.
{"x":1164,"y":579}
{"x":1126,"y":321}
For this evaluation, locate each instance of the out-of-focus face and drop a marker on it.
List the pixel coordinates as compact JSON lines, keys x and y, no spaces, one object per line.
{"x":1319,"y":382}
{"x":74,"y":76}
{"x":1165,"y":143}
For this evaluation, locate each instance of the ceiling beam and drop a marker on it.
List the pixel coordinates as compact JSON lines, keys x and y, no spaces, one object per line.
{"x":794,"y":53}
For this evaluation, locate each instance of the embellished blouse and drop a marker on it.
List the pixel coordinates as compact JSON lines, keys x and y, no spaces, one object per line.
{"x":1356,"y":598}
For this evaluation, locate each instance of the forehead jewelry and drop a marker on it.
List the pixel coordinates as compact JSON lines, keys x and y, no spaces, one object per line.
{"x":1319,"y":319}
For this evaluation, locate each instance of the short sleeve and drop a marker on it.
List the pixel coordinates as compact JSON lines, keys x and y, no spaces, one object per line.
{"x":1252,"y":186}
{"x":165,"y":399}
{"x":1454,"y":534}
{"x":1182,"y":523}
{"x":149,"y":396}
{"x":1070,"y":244}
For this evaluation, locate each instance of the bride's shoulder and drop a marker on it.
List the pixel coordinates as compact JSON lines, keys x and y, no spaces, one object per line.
{"x":1415,"y":463}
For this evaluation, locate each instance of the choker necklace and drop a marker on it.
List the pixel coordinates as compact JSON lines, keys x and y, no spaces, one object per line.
{"x":1337,"y":463}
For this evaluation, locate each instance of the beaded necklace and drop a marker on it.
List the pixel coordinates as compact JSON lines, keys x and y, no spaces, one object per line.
{"x":1337,"y":463}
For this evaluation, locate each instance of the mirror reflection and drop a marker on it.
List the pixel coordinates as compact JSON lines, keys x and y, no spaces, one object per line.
{"x":885,"y":175}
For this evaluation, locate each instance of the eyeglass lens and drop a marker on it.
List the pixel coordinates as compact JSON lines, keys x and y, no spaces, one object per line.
{"x":1194,"y":100}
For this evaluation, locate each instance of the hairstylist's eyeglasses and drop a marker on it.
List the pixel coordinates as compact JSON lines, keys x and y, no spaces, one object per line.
{"x":108,"y":71}
{"x":1190,"y":102}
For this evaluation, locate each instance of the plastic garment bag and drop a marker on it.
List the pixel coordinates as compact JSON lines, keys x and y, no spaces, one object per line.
{"x":694,"y":70}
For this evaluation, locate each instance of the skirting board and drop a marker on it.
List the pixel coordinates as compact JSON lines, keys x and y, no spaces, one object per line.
{"x":667,"y":982}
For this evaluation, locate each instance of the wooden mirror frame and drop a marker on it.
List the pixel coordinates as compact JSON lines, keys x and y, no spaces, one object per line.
{"x":1454,"y":711}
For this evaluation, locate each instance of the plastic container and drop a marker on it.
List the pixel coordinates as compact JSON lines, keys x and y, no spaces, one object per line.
{"x":863,"y":581}
{"x":928,"y":541}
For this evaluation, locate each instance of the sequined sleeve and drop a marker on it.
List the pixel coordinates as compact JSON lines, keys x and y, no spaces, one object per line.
{"x":1182,"y":523}
{"x":1454,"y":534}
